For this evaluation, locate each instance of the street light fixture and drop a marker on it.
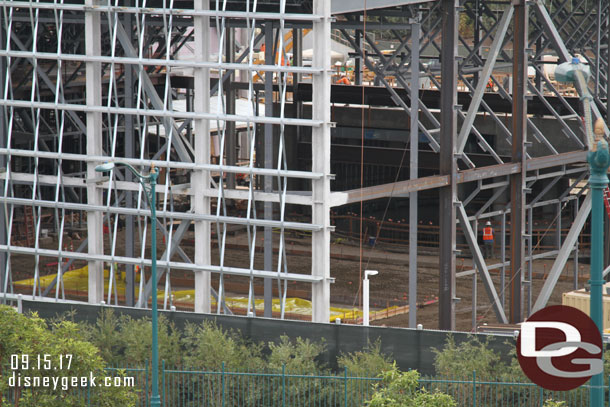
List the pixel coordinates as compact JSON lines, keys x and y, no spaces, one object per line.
{"x":148,"y":183}
{"x":599,"y":160}
{"x":365,"y":295}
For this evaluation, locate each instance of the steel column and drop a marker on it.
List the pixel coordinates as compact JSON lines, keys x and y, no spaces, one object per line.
{"x":95,"y":234}
{"x":320,"y":137}
{"x":413,"y":173}
{"x":200,"y":179}
{"x":268,"y":163}
{"x":517,"y":180}
{"x":448,"y":134}
{"x":129,"y":231}
{"x":231,"y":94}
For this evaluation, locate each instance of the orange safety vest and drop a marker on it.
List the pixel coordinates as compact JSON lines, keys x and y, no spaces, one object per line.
{"x":343,"y":81}
{"x":488,"y":233}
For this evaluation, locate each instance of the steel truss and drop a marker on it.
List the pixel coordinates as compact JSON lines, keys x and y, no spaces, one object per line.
{"x":54,"y":136}
{"x":501,"y":40}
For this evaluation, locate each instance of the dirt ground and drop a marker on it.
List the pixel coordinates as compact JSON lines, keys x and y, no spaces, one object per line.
{"x":390,"y":287}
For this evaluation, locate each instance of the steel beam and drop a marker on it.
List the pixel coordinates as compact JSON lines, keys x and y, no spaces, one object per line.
{"x":448,"y":167}
{"x":320,"y":136}
{"x":413,"y":173}
{"x":564,"y":254}
{"x":268,"y":163}
{"x":201,"y":178}
{"x":95,"y":234}
{"x":517,"y":180}
{"x":438,"y":181}
{"x":481,"y":86}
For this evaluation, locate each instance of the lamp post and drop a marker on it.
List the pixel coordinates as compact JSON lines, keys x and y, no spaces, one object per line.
{"x":365,"y":295}
{"x":151,"y":180}
{"x":599,"y":160}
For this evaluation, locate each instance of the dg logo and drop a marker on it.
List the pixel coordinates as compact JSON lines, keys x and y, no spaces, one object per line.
{"x":560,"y":348}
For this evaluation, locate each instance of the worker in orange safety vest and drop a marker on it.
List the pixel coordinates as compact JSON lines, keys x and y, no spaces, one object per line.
{"x":488,"y":241}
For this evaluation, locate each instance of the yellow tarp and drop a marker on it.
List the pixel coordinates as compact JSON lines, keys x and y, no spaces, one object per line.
{"x":77,"y":280}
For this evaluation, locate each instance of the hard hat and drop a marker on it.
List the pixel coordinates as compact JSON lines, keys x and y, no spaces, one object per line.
{"x":488,"y":223}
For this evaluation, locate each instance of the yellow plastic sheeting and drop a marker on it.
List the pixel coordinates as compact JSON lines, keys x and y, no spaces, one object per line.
{"x":293,"y":305}
{"x":78,"y":280}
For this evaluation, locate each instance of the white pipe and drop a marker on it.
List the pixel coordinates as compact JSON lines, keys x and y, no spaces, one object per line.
{"x":365,"y":301}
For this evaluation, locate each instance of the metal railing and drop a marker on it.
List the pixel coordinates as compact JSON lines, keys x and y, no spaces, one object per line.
{"x":223,"y":388}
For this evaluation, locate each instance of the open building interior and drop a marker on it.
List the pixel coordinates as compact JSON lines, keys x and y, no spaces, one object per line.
{"x":300,"y":143}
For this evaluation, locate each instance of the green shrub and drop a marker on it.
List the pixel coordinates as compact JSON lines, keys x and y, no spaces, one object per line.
{"x":471,"y":355}
{"x":401,"y":389}
{"x":207,"y":346}
{"x":22,"y":335}
{"x":369,"y":362}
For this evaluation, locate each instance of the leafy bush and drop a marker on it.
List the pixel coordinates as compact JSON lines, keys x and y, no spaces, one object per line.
{"x":471,"y":355}
{"x":31,"y":336}
{"x":401,"y":389}
{"x":370,"y":362}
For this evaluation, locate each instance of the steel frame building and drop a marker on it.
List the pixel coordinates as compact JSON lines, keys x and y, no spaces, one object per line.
{"x":72,"y":101}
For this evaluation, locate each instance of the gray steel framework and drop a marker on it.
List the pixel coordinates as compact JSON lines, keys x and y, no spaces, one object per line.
{"x":53,"y":135}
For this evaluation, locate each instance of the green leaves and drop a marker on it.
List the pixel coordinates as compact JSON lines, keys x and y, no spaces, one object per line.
{"x":401,"y":389}
{"x":34,"y":341}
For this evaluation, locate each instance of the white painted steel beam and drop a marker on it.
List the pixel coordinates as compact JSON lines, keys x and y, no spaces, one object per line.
{"x":196,"y":268}
{"x":201,"y":179}
{"x":352,"y":6}
{"x":320,"y":137}
{"x":95,"y":234}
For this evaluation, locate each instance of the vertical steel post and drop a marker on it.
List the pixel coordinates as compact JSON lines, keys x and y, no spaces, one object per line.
{"x":129,"y":195}
{"x":365,"y":300}
{"x":268,"y":163}
{"x":503,"y":258}
{"x":475,"y":229}
{"x":517,"y":180}
{"x":320,"y":149}
{"x":200,"y":179}
{"x":230,"y":135}
{"x":413,"y":172}
{"x":95,"y":235}
{"x":155,"y":400}
{"x":530,"y":230}
{"x":4,"y":237}
{"x":598,"y":163}
{"x":358,"y":59}
{"x":576,"y":209}
{"x":448,"y":134}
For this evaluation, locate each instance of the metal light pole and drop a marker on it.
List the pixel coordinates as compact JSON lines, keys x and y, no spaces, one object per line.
{"x":365,"y":296}
{"x":151,"y":180}
{"x":599,"y":160}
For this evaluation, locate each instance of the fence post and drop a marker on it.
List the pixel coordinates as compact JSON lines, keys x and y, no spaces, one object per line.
{"x":146,"y":381}
{"x":345,"y":380}
{"x":541,"y":397}
{"x":222,"y":381}
{"x":163,"y":381}
{"x":284,"y":385}
{"x":474,"y":388}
